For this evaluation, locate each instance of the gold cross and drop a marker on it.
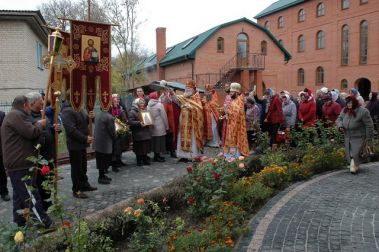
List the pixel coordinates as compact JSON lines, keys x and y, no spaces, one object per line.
{"x":76,"y":94}
{"x":90,"y":94}
{"x":105,"y":96}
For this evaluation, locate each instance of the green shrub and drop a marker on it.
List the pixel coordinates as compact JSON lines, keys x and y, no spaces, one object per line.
{"x":323,"y":158}
{"x":274,"y":176}
{"x":298,"y":172}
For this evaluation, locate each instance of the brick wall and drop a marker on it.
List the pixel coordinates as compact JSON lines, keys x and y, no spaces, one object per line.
{"x":18,"y":64}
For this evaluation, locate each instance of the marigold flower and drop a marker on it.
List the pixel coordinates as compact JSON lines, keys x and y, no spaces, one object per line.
{"x":241,"y":165}
{"x":128,"y":210}
{"x":171,"y":248}
{"x":44,"y":170}
{"x":229,"y":242}
{"x":140,"y":201}
{"x":19,"y":237}
{"x":241,"y":158}
{"x":189,"y":169}
{"x":137,"y":213}
{"x":66,"y":224}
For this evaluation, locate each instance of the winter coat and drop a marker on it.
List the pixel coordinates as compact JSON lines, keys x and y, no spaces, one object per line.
{"x":159,"y":116}
{"x":290,"y":114}
{"x":307,"y":113}
{"x":357,"y":129}
{"x":139,"y":133}
{"x":18,"y":138}
{"x":47,"y":137}
{"x":76,"y":127}
{"x":105,"y":132}
{"x":275,"y":111}
{"x":373,"y":105}
{"x":331,"y":111}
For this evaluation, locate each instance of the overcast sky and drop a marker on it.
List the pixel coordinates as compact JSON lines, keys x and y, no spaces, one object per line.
{"x":182,"y":18}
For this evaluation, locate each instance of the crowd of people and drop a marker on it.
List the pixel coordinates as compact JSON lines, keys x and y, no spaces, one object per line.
{"x":165,"y":122}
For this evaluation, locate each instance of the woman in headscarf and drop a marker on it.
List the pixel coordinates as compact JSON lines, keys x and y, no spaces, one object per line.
{"x":373,"y":107}
{"x":140,"y":132}
{"x":356,"y":123}
{"x":274,"y":115}
{"x":159,"y":128}
{"x":307,"y":109}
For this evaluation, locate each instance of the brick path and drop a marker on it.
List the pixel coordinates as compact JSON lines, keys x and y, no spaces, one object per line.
{"x":331,"y":212}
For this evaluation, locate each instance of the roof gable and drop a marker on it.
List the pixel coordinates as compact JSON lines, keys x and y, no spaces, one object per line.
{"x":187,"y":49}
{"x":278,"y":6}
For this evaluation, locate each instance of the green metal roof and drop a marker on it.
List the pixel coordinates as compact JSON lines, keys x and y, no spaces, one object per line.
{"x":278,"y":6}
{"x":187,"y":49}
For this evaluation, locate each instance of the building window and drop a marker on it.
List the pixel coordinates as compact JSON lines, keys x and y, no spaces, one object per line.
{"x":319,"y":76}
{"x":220,"y":45}
{"x":363,"y":42}
{"x":345,"y":46}
{"x":267,"y":25}
{"x":301,"y":15}
{"x":300,"y":77}
{"x":321,"y":9}
{"x":344,"y":84}
{"x":364,"y":1}
{"x":280,"y":22}
{"x":320,"y":40}
{"x":301,"y":43}
{"x":39,"y":50}
{"x":345,"y":4}
{"x":264,"y":47}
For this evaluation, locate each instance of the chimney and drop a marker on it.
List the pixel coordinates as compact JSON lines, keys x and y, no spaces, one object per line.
{"x":161,"y":50}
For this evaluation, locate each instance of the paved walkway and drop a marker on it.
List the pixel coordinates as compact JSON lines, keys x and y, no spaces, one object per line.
{"x":336,"y":211}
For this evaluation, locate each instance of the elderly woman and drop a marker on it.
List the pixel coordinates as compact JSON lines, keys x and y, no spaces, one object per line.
{"x":160,"y":126}
{"x":356,"y":123}
{"x":140,"y":132}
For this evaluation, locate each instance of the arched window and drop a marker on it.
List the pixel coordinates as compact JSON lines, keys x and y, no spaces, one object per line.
{"x":344,"y":84}
{"x":320,"y":40}
{"x":301,"y":15}
{"x":267,"y":25}
{"x":300,"y":77}
{"x":301,"y":43}
{"x":321,"y":9}
{"x":264,"y":47}
{"x":345,"y":4}
{"x":280,"y":22}
{"x":363,"y":43}
{"x":220,"y":44}
{"x":345,"y":45}
{"x":319,"y":76}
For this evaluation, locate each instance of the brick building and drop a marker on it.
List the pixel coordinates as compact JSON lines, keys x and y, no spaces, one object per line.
{"x":240,"y":50}
{"x":334,"y":43}
{"x":23,"y":42}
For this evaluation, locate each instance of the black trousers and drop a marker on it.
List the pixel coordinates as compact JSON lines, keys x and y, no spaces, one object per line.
{"x":21,"y":198}
{"x":273,"y":129}
{"x":3,"y":178}
{"x":78,"y":160}
{"x":103,"y":161}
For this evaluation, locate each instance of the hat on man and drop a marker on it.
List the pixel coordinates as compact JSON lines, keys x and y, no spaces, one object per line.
{"x":163,"y":83}
{"x":191,"y":84}
{"x":235,"y":87}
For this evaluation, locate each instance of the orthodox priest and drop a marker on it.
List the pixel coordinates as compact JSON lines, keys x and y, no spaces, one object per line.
{"x":236,"y":143}
{"x":211,"y":117}
{"x":191,"y":123}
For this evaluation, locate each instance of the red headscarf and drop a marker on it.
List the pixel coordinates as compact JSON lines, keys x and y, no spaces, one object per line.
{"x":355,"y":103}
{"x":153,"y":95}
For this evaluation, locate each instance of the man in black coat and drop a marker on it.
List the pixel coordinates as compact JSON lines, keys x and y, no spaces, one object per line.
{"x":3,"y":176}
{"x":77,"y":138}
{"x":19,"y":137}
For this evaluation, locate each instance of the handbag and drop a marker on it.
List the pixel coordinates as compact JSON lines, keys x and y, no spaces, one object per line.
{"x":280,"y":136}
{"x":367,"y":150}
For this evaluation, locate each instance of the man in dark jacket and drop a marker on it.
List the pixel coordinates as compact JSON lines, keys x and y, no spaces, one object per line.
{"x":46,"y":140}
{"x":19,"y":136}
{"x":77,"y":138}
{"x":3,"y":176}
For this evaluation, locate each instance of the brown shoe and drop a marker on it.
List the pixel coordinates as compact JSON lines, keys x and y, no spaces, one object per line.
{"x":80,"y":195}
{"x":89,"y":188}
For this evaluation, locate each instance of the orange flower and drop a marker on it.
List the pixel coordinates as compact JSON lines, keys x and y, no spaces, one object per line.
{"x":137,"y":213}
{"x":66,"y":224}
{"x":140,"y":201}
{"x":171,"y":248}
{"x":128,"y":210}
{"x":173,"y":237}
{"x":229,"y":242}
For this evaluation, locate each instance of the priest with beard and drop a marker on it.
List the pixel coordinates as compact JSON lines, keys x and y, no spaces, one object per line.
{"x":236,"y":143}
{"x":211,"y":117}
{"x":190,"y":142}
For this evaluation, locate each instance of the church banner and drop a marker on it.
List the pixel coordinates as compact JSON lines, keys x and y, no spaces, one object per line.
{"x":91,"y":51}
